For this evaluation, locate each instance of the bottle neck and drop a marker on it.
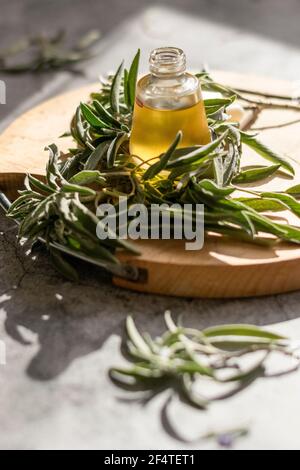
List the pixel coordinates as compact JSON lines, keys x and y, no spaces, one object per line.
{"x":166,"y":62}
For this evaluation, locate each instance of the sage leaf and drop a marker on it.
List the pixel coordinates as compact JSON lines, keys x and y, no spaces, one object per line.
{"x":76,"y":188}
{"x":105,"y":115}
{"x":197,"y":154}
{"x":153,"y":170}
{"x":39,"y":184}
{"x":136,"y":338}
{"x":137,"y":372}
{"x":185,"y":360}
{"x":41,"y":211}
{"x":218,"y":170}
{"x":132,"y":79}
{"x":62,"y":208}
{"x":113,"y":149}
{"x":210,"y":188}
{"x":262,"y":204}
{"x":115,"y":89}
{"x":91,"y":117}
{"x":102,"y":263}
{"x":240,"y":330}
{"x":79,"y":132}
{"x":294,"y":190}
{"x":265,"y":152}
{"x":230,"y":164}
{"x":211,"y":102}
{"x":96,"y":156}
{"x":87,"y":177}
{"x":53,"y":174}
{"x":126,"y":91}
{"x":255,"y":174}
{"x":283,"y":231}
{"x":288,"y":200}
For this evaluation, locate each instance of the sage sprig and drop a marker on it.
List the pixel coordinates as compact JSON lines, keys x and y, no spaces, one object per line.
{"x":46,"y":53}
{"x":189,"y":362}
{"x":99,"y":168}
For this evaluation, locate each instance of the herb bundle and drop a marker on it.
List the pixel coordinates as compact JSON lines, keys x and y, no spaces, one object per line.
{"x":200,"y":366}
{"x":61,"y":211}
{"x":42,"y":53}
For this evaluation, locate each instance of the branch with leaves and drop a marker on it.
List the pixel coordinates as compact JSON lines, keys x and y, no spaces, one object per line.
{"x":43,"y":53}
{"x":200,"y":366}
{"x":61,"y":211}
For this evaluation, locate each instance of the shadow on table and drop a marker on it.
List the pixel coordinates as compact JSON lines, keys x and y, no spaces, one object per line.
{"x":70,"y":321}
{"x":63,"y":333}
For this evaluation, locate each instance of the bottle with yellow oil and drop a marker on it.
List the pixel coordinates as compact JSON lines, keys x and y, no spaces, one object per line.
{"x":167,"y":100}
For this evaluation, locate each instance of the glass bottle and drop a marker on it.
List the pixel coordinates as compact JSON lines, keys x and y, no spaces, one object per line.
{"x":167,"y":100}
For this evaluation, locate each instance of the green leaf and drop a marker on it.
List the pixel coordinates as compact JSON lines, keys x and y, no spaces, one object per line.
{"x":199,"y":168}
{"x":197,"y":154}
{"x":53,"y":174}
{"x":180,"y":152}
{"x":91,"y":117}
{"x":118,"y":374}
{"x":73,"y":164}
{"x":78,"y":130}
{"x":217,"y":105}
{"x":289,"y":201}
{"x":265,"y":152}
{"x":294,"y":190}
{"x":102,"y":263}
{"x":211,"y":102}
{"x":240,"y":330}
{"x":255,"y":174}
{"x":126,"y":91}
{"x":113,"y":149}
{"x":262,"y":204}
{"x":115,"y":89}
{"x":218,"y":170}
{"x":153,"y":170}
{"x":183,"y":359}
{"x":87,"y":177}
{"x":83,"y":224}
{"x":193,"y":367}
{"x":283,"y":231}
{"x":210,"y":188}
{"x":132,"y":78}
{"x":21,"y":200}
{"x":41,"y":211}
{"x":230,"y":164}
{"x":136,"y":338}
{"x":75,"y":188}
{"x":39,"y":184}
{"x":105,"y":115}
{"x":96,"y":156}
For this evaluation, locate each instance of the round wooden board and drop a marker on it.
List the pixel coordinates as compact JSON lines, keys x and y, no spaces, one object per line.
{"x":222,"y":268}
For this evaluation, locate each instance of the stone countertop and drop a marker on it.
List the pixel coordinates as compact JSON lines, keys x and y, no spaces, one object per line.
{"x":61,"y":338}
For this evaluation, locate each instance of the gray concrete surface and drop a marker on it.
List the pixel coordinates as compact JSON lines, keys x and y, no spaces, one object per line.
{"x":60,"y":337}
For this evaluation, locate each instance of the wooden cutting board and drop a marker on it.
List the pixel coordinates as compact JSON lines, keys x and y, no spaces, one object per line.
{"x":223,"y":268}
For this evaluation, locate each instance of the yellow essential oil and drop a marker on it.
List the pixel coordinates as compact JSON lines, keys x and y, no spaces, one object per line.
{"x":155,"y":129}
{"x":167,"y":100}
